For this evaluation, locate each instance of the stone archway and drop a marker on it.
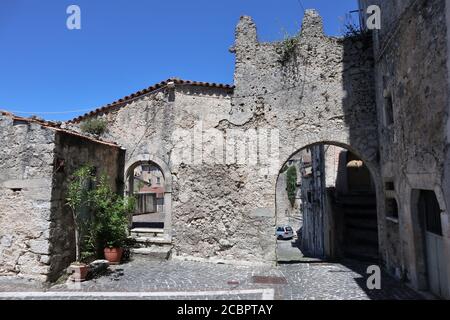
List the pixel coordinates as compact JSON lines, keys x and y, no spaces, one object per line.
{"x":147,"y":159}
{"x":346,"y":212}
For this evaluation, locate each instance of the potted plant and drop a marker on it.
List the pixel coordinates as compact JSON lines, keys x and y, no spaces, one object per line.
{"x":78,"y":202}
{"x":111,"y":220}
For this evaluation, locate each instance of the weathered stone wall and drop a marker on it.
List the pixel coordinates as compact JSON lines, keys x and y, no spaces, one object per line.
{"x":314,"y":206}
{"x":36,"y":227}
{"x":321,"y":90}
{"x":75,"y":152}
{"x":318,"y":91}
{"x":26,"y":165}
{"x":411,"y":71}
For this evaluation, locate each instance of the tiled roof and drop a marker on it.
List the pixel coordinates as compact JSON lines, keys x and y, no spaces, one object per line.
{"x":56,"y":127}
{"x":150,"y":89}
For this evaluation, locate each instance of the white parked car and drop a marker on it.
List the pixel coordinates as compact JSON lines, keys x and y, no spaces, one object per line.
{"x":284,"y":232}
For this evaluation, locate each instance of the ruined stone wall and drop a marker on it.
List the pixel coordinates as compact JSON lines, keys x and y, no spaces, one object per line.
{"x":71,"y":153}
{"x":411,"y":74}
{"x":284,"y":100}
{"x":318,"y":90}
{"x":26,"y":167}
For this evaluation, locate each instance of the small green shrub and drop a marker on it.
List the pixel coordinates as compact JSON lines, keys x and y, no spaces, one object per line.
{"x":288,"y":47}
{"x":100,"y":215}
{"x":111,"y":212}
{"x":94,"y":126}
{"x":291,"y":182}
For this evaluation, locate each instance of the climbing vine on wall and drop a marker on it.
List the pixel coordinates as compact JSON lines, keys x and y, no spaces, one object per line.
{"x":291,"y":183}
{"x":94,"y":126}
{"x":288,"y":47}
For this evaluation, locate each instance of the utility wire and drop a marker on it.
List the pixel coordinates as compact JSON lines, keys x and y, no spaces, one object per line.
{"x":49,"y":112}
{"x":301,"y":5}
{"x":85,"y":110}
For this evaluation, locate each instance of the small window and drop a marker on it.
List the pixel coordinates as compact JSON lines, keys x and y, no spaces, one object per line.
{"x":431,"y":212}
{"x":388,"y":111}
{"x":309,"y":196}
{"x":158,"y":180}
{"x":389,"y":186}
{"x":391,"y":208}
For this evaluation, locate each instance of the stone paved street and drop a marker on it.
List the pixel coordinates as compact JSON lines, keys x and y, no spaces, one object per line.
{"x":194,"y":280}
{"x":288,"y":251}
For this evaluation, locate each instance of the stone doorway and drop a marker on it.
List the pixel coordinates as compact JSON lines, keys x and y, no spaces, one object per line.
{"x":331,"y":203}
{"x":147,"y":186}
{"x":432,"y":253}
{"x":150,"y":182}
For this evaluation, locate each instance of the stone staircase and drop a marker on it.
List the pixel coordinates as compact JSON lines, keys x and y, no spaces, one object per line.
{"x":151,"y":243}
{"x":360,"y":227}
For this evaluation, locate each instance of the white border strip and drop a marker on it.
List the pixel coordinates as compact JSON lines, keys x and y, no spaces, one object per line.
{"x":266,"y":294}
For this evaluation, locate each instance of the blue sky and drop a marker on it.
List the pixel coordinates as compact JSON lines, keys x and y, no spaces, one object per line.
{"x":125,"y":46}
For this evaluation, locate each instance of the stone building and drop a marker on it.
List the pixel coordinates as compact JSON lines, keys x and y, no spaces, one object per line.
{"x":220,"y":148}
{"x":36,"y":231}
{"x":411,"y":54}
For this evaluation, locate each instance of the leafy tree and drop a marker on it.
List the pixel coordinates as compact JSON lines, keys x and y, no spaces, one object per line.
{"x":291,"y":183}
{"x":111,"y":213}
{"x":94,"y":126}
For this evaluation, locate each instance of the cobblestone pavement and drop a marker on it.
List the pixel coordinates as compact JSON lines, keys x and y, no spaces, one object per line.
{"x":194,"y":280}
{"x":288,"y":252}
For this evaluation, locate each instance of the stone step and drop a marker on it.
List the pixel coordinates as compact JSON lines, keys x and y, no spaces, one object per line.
{"x":360,"y":212}
{"x":154,"y":253}
{"x":362,"y":253}
{"x":362,"y":236}
{"x":357,"y":200}
{"x":361,"y":223}
{"x":147,"y":232}
{"x":141,"y":242}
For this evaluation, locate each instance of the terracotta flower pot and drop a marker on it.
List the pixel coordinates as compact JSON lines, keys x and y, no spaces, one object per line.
{"x":79,"y":272}
{"x":113,"y":255}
